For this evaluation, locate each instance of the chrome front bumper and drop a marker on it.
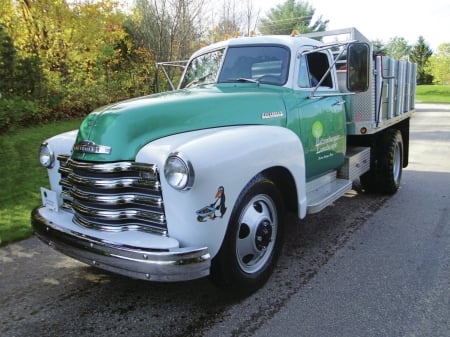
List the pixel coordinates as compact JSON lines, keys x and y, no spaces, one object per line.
{"x":153,"y":264}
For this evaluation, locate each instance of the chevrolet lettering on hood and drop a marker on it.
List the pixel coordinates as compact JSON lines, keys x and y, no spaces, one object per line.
{"x":274,"y":114}
{"x":87,"y":146}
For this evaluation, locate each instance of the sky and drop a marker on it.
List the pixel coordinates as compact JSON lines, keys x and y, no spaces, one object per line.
{"x":385,"y":19}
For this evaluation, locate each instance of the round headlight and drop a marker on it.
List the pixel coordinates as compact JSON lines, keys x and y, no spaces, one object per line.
{"x":46,"y":156}
{"x":178,"y":172}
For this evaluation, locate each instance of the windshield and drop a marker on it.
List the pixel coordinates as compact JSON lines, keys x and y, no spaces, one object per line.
{"x":202,"y":69}
{"x":261,"y":64}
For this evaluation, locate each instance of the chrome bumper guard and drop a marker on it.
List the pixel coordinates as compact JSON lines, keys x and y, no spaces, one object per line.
{"x":173,"y":265}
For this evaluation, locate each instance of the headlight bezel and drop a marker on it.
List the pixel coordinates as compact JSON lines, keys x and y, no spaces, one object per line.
{"x":179,"y":172}
{"x":46,"y":156}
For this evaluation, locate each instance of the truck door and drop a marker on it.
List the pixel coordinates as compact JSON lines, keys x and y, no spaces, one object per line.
{"x":321,"y":117}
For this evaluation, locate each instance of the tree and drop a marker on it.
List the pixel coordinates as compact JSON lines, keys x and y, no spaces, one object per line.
{"x":379,"y":47}
{"x":72,"y":47}
{"x":398,"y":48}
{"x":169,"y":28}
{"x":7,"y":62}
{"x":292,"y":15}
{"x":19,"y":76}
{"x":235,"y":17}
{"x":251,"y":17}
{"x":440,"y":64}
{"x":420,"y":54}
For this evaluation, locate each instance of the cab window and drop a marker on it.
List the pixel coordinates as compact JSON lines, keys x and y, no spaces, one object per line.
{"x":312,"y":70}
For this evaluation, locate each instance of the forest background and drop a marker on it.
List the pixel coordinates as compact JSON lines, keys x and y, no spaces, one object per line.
{"x":60,"y":59}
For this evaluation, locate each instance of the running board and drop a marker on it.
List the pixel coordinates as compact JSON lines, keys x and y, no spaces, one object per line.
{"x":323,"y":191}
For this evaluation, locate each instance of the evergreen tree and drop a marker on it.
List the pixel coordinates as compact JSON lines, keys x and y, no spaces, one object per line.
{"x":378,"y":47}
{"x":291,"y":15}
{"x":420,"y":54}
{"x":398,"y":48}
{"x":7,"y":62}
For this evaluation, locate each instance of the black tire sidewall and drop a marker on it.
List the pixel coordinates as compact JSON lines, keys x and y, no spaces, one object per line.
{"x":388,"y":182}
{"x":225,"y":269}
{"x":381,"y":178}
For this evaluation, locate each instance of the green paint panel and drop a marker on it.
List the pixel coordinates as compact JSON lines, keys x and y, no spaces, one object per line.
{"x":321,"y":125}
{"x":127,"y":126}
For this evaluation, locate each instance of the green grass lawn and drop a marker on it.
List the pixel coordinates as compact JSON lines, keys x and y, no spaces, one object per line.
{"x":433,"y":93}
{"x":21,"y":176}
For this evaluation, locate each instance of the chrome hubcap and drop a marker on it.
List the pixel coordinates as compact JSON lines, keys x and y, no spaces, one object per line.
{"x":256,"y":234}
{"x":397,"y":163}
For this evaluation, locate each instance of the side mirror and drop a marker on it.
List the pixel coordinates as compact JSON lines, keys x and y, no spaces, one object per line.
{"x":358,"y":60}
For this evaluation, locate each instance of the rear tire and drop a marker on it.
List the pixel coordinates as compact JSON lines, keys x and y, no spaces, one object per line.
{"x":253,"y":240}
{"x":387,"y":164}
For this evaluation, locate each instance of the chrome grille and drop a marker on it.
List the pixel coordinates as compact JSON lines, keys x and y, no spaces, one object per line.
{"x":113,"y":196}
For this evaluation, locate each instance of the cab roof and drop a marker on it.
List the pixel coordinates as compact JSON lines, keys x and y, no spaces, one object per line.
{"x":292,"y":42}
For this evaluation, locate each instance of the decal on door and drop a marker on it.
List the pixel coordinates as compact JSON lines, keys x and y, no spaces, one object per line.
{"x":328,"y":144}
{"x":216,"y":209}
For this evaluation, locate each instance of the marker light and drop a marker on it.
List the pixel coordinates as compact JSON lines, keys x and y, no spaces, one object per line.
{"x":46,"y":155}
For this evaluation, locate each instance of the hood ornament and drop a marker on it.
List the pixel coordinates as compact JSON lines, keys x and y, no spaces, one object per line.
{"x":87,"y":146}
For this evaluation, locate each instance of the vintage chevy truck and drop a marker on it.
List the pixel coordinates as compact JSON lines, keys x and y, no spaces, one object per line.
{"x":196,"y":181}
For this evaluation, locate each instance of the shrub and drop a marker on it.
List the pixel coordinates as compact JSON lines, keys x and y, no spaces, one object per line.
{"x":16,"y":111}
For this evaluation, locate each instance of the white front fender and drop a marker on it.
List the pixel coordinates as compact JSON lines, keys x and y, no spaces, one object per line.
{"x":60,"y":144}
{"x":226,"y":158}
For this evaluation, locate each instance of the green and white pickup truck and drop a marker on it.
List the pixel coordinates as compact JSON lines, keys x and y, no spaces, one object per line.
{"x":196,"y":181}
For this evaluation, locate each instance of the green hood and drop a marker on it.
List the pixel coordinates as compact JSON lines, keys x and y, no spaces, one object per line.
{"x":127,"y":126}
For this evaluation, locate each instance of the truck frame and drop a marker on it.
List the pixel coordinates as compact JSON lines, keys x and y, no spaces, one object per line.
{"x":197,"y":181}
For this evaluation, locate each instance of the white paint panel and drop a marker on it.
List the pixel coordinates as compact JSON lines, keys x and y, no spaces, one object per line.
{"x":228,"y":157}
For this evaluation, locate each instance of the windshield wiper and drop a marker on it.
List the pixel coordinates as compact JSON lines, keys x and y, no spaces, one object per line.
{"x":197,"y":80}
{"x":242,"y":79}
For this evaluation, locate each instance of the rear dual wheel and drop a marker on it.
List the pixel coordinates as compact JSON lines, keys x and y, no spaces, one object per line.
{"x":253,"y":240}
{"x":386,"y":164}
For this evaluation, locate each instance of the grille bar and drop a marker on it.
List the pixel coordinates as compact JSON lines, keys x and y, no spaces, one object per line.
{"x":112,"y":183}
{"x":116,"y":199}
{"x":113,"y":196}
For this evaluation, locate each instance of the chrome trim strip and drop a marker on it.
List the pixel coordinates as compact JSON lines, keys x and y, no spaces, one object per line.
{"x":112,"y":182}
{"x":112,"y":215}
{"x":113,"y":167}
{"x":115,"y":199}
{"x":180,"y":264}
{"x":129,"y":226}
{"x":64,"y":170}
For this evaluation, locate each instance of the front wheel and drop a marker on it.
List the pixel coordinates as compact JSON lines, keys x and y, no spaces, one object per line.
{"x":253,"y":240}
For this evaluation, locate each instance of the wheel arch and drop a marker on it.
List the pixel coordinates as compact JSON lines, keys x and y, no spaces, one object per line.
{"x":384,"y":175}
{"x":403,"y":127}
{"x":286,"y":183}
{"x":373,"y":140}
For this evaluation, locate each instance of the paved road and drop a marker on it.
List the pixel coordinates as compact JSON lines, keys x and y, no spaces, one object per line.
{"x":392,"y":278}
{"x":368,"y":266}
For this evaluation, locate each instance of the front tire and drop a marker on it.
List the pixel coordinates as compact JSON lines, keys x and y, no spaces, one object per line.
{"x":253,"y":240}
